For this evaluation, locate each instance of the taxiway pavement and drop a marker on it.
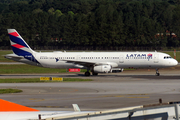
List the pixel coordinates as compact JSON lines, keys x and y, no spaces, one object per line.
{"x":106,"y":91}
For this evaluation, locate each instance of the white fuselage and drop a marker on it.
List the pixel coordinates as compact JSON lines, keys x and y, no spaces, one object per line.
{"x":115,"y":59}
{"x":96,"y":62}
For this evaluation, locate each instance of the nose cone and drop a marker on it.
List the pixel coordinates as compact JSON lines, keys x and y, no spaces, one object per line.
{"x":175,"y":62}
{"x":171,"y":63}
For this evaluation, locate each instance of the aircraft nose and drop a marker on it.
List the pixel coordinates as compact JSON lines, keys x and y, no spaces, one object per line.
{"x":175,"y":62}
{"x":172,"y":63}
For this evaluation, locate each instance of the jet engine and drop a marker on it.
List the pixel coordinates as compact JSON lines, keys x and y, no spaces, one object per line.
{"x":102,"y":69}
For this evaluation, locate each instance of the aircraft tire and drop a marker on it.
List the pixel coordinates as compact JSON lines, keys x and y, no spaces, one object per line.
{"x":87,"y":73}
{"x":94,"y":73}
{"x":157,"y":74}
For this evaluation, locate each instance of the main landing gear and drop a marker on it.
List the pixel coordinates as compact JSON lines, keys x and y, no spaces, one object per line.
{"x":94,"y":73}
{"x":157,"y":72}
{"x":87,"y":73}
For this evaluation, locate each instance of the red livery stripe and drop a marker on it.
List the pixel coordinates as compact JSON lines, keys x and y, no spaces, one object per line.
{"x":17,"y":46}
{"x":14,"y":34}
{"x":150,"y":54}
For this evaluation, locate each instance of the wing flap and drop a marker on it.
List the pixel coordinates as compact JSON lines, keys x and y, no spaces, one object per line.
{"x":92,"y":63}
{"x":83,"y":63}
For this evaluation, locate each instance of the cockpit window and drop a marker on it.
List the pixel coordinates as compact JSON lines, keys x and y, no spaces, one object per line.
{"x":167,"y":57}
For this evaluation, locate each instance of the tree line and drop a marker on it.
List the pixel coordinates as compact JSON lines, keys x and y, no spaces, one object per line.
{"x":92,"y":24}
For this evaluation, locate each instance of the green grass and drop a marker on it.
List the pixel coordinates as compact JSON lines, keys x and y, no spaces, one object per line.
{"x":4,"y":52}
{"x":3,"y":91}
{"x":26,"y":69}
{"x":75,"y":80}
{"x":37,"y":80}
{"x":33,"y":80}
{"x":20,"y":80}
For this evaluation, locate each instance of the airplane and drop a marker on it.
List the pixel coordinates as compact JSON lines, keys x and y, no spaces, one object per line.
{"x":13,"y":111}
{"x":96,"y":62}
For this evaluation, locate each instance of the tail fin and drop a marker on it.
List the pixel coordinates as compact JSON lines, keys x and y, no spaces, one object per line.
{"x":7,"y":106}
{"x":19,"y":46}
{"x":76,"y":108}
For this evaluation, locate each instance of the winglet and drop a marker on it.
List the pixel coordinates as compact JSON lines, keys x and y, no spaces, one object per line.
{"x":76,"y":108}
{"x":6,"y":106}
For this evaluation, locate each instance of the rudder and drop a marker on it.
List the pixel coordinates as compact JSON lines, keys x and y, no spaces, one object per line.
{"x":19,"y":46}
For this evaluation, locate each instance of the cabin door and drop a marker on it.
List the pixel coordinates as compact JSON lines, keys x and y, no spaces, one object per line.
{"x":121,"y":59}
{"x":156,"y":58}
{"x":78,"y":58}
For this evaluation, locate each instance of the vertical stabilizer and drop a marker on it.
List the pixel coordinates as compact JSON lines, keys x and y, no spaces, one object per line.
{"x":76,"y":108}
{"x":7,"y":106}
{"x":19,"y":46}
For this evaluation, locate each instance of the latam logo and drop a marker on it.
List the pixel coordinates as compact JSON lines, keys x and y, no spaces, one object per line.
{"x":139,"y":56}
{"x":149,"y":55}
{"x":57,"y":59}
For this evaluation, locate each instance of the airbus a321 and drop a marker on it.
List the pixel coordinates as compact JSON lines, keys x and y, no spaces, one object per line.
{"x":96,"y":62}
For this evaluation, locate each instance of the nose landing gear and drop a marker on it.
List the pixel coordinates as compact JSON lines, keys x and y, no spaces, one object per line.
{"x":157,"y":72}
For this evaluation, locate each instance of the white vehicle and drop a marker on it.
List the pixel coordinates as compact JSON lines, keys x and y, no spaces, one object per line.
{"x":96,"y":62}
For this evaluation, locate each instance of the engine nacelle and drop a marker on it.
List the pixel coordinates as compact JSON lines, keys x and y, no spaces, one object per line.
{"x":102,"y":69}
{"x":116,"y":70}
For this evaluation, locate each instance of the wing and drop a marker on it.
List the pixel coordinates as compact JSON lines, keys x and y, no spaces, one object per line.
{"x":91,"y":63}
{"x":83,"y":63}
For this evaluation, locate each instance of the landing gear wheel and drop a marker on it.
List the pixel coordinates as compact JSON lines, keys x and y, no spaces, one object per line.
{"x":93,"y":73}
{"x":87,"y":73}
{"x":157,"y":72}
